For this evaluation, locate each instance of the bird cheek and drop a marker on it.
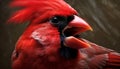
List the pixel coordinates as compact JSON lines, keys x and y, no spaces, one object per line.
{"x":41,"y":39}
{"x":46,"y":34}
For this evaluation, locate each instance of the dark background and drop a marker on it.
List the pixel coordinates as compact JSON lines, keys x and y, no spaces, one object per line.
{"x":102,"y":15}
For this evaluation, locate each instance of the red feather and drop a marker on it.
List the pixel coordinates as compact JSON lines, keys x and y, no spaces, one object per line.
{"x":114,"y":61}
{"x":39,"y":46}
{"x":34,"y":9}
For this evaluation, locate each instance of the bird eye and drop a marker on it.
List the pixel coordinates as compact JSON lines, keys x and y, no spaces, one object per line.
{"x":55,"y":20}
{"x":58,"y":20}
{"x":61,"y":21}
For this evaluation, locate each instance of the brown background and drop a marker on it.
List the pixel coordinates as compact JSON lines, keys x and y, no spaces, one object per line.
{"x":102,"y":15}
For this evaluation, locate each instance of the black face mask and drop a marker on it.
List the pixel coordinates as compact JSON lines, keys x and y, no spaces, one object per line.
{"x":61,"y":22}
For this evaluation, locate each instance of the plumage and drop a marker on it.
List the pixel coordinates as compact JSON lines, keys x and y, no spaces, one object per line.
{"x":39,"y":10}
{"x":49,"y":40}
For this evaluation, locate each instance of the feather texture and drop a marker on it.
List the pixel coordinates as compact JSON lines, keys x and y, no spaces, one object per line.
{"x":39,"y":46}
{"x":114,"y":61}
{"x":34,"y":10}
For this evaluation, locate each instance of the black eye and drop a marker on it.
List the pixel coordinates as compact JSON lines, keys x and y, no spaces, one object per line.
{"x":61,"y":21}
{"x":58,"y":20}
{"x":55,"y":20}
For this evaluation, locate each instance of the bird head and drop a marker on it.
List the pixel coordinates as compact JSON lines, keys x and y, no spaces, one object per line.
{"x":53,"y":24}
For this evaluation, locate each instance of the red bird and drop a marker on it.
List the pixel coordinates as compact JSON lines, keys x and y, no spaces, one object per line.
{"x":49,"y":41}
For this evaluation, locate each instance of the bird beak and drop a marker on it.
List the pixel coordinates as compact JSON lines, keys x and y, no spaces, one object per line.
{"x":79,"y":22}
{"x":76,"y":26}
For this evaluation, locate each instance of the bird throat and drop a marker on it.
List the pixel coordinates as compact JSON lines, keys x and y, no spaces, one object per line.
{"x":67,"y":52}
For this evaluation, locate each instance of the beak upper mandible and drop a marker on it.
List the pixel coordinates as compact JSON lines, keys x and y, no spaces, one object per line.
{"x":78,"y":22}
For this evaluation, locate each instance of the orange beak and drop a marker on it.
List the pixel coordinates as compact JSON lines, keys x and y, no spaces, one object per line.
{"x":76,"y":26}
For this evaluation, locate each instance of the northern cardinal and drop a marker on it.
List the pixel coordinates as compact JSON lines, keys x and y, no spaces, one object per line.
{"x":49,"y":41}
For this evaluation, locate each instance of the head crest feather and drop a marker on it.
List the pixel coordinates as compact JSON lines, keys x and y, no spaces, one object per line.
{"x":39,"y":10}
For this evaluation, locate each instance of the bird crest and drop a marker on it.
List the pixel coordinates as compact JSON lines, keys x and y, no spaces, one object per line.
{"x":38,"y":11}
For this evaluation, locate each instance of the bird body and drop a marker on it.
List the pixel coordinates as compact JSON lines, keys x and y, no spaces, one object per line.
{"x":49,"y":41}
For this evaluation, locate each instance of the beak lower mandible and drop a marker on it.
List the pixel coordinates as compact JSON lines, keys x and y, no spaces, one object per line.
{"x":77,"y":25}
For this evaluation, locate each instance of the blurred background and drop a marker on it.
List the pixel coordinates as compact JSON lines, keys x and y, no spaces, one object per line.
{"x":102,"y":15}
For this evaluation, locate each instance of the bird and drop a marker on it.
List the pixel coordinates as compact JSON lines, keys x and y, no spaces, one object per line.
{"x":49,"y":41}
